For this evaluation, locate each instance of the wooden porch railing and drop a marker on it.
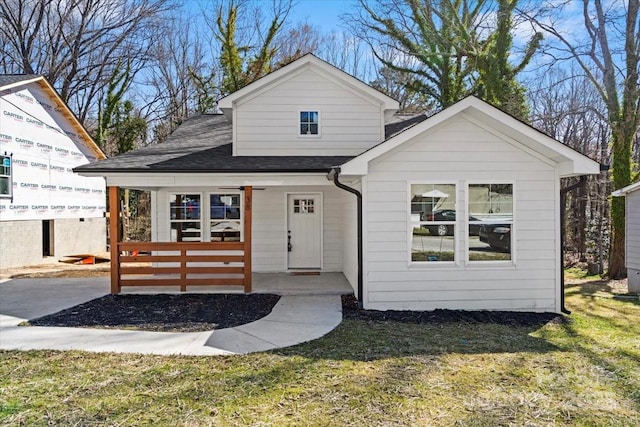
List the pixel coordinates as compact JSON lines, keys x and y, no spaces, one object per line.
{"x":182,"y":264}
{"x":179,"y":263}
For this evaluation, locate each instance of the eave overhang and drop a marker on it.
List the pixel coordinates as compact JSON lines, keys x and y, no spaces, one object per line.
{"x":626,"y":190}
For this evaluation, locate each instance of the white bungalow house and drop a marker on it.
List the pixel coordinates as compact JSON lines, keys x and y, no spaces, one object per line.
{"x":46,"y":210}
{"x":632,"y":237}
{"x":308,"y":170}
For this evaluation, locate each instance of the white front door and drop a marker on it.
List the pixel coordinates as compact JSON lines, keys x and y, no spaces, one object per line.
{"x":304,"y":233}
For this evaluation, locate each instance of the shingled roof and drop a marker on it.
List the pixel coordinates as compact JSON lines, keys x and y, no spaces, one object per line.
{"x":202,"y":144}
{"x":9,"y":79}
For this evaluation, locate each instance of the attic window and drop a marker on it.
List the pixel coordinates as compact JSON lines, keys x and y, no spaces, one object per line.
{"x":309,"y":122}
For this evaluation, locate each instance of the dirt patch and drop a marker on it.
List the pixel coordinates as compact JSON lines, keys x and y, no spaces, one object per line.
{"x":164,"y":312}
{"x":57,"y":270}
{"x":350,"y":311}
{"x":590,"y":286}
{"x":76,"y":273}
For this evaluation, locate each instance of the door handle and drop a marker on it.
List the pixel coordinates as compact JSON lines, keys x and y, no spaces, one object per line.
{"x":289,"y":241}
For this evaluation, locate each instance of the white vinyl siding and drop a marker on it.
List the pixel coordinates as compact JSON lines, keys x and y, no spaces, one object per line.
{"x":633,"y":230}
{"x":269,"y":124}
{"x":461,"y":152}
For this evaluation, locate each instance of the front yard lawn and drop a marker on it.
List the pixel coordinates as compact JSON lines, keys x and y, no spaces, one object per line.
{"x":582,"y":372}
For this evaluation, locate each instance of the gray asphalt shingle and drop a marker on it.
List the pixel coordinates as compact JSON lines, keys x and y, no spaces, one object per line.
{"x":203,"y":144}
{"x":9,"y":79}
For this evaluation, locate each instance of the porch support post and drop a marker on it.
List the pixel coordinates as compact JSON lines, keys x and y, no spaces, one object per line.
{"x":114,"y":237}
{"x":248,"y":196}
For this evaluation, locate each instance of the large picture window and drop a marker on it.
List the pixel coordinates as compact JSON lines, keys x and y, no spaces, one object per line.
{"x":433,"y":222}
{"x":185,"y":217}
{"x":225,"y":217}
{"x":490,"y":208}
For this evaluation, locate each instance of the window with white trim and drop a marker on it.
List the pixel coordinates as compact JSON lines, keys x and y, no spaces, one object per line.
{"x":6,"y":181}
{"x":490,"y":208}
{"x":433,"y":222}
{"x":225,"y":217}
{"x":185,"y":217}
{"x":309,"y":123}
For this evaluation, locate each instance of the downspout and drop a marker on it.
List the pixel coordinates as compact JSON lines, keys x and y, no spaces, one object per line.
{"x":563,"y":202}
{"x":336,"y":172}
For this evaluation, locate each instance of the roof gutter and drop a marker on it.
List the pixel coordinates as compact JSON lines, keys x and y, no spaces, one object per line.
{"x":335,"y":173}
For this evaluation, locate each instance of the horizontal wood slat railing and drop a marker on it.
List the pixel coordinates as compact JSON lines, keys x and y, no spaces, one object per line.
{"x":182,"y":264}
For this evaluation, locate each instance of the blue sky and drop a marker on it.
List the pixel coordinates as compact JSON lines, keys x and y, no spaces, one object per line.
{"x":323,"y":14}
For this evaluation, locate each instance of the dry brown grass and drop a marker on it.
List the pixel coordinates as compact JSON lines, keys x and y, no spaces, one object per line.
{"x":582,"y":372}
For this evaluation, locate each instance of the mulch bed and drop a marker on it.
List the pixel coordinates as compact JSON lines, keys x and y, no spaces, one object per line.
{"x":163,"y":312}
{"x":205,"y":312}
{"x":350,"y":311}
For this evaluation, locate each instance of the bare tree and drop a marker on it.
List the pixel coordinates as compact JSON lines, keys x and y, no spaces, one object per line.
{"x":608,"y":53}
{"x":180,"y":80}
{"x":349,"y":53}
{"x":77,"y":44}
{"x":295,"y":42}
{"x":566,"y":107}
{"x":397,"y":84}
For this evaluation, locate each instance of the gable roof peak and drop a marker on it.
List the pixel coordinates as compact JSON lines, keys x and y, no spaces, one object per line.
{"x":484,"y":115}
{"x":307,"y":61}
{"x":11,"y":82}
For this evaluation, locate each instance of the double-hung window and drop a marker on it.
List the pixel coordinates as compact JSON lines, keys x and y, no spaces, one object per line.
{"x":490,"y":208}
{"x":433,"y":222}
{"x":185,"y":217}
{"x":192,"y":217}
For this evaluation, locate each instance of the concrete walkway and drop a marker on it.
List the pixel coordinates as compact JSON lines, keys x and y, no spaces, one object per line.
{"x":296,"y":318}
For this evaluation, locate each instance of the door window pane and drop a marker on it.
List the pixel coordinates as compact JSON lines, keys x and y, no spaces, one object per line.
{"x":303,"y":206}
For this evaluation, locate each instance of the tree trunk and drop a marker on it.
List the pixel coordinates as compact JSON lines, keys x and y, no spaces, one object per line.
{"x":622,"y":140}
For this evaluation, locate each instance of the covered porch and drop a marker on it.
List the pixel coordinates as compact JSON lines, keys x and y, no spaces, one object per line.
{"x":162,"y":266}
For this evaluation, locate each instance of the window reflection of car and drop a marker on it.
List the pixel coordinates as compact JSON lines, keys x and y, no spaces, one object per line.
{"x":220,"y":210}
{"x":189,"y":209}
{"x":498,"y":236}
{"x":447,"y":229}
